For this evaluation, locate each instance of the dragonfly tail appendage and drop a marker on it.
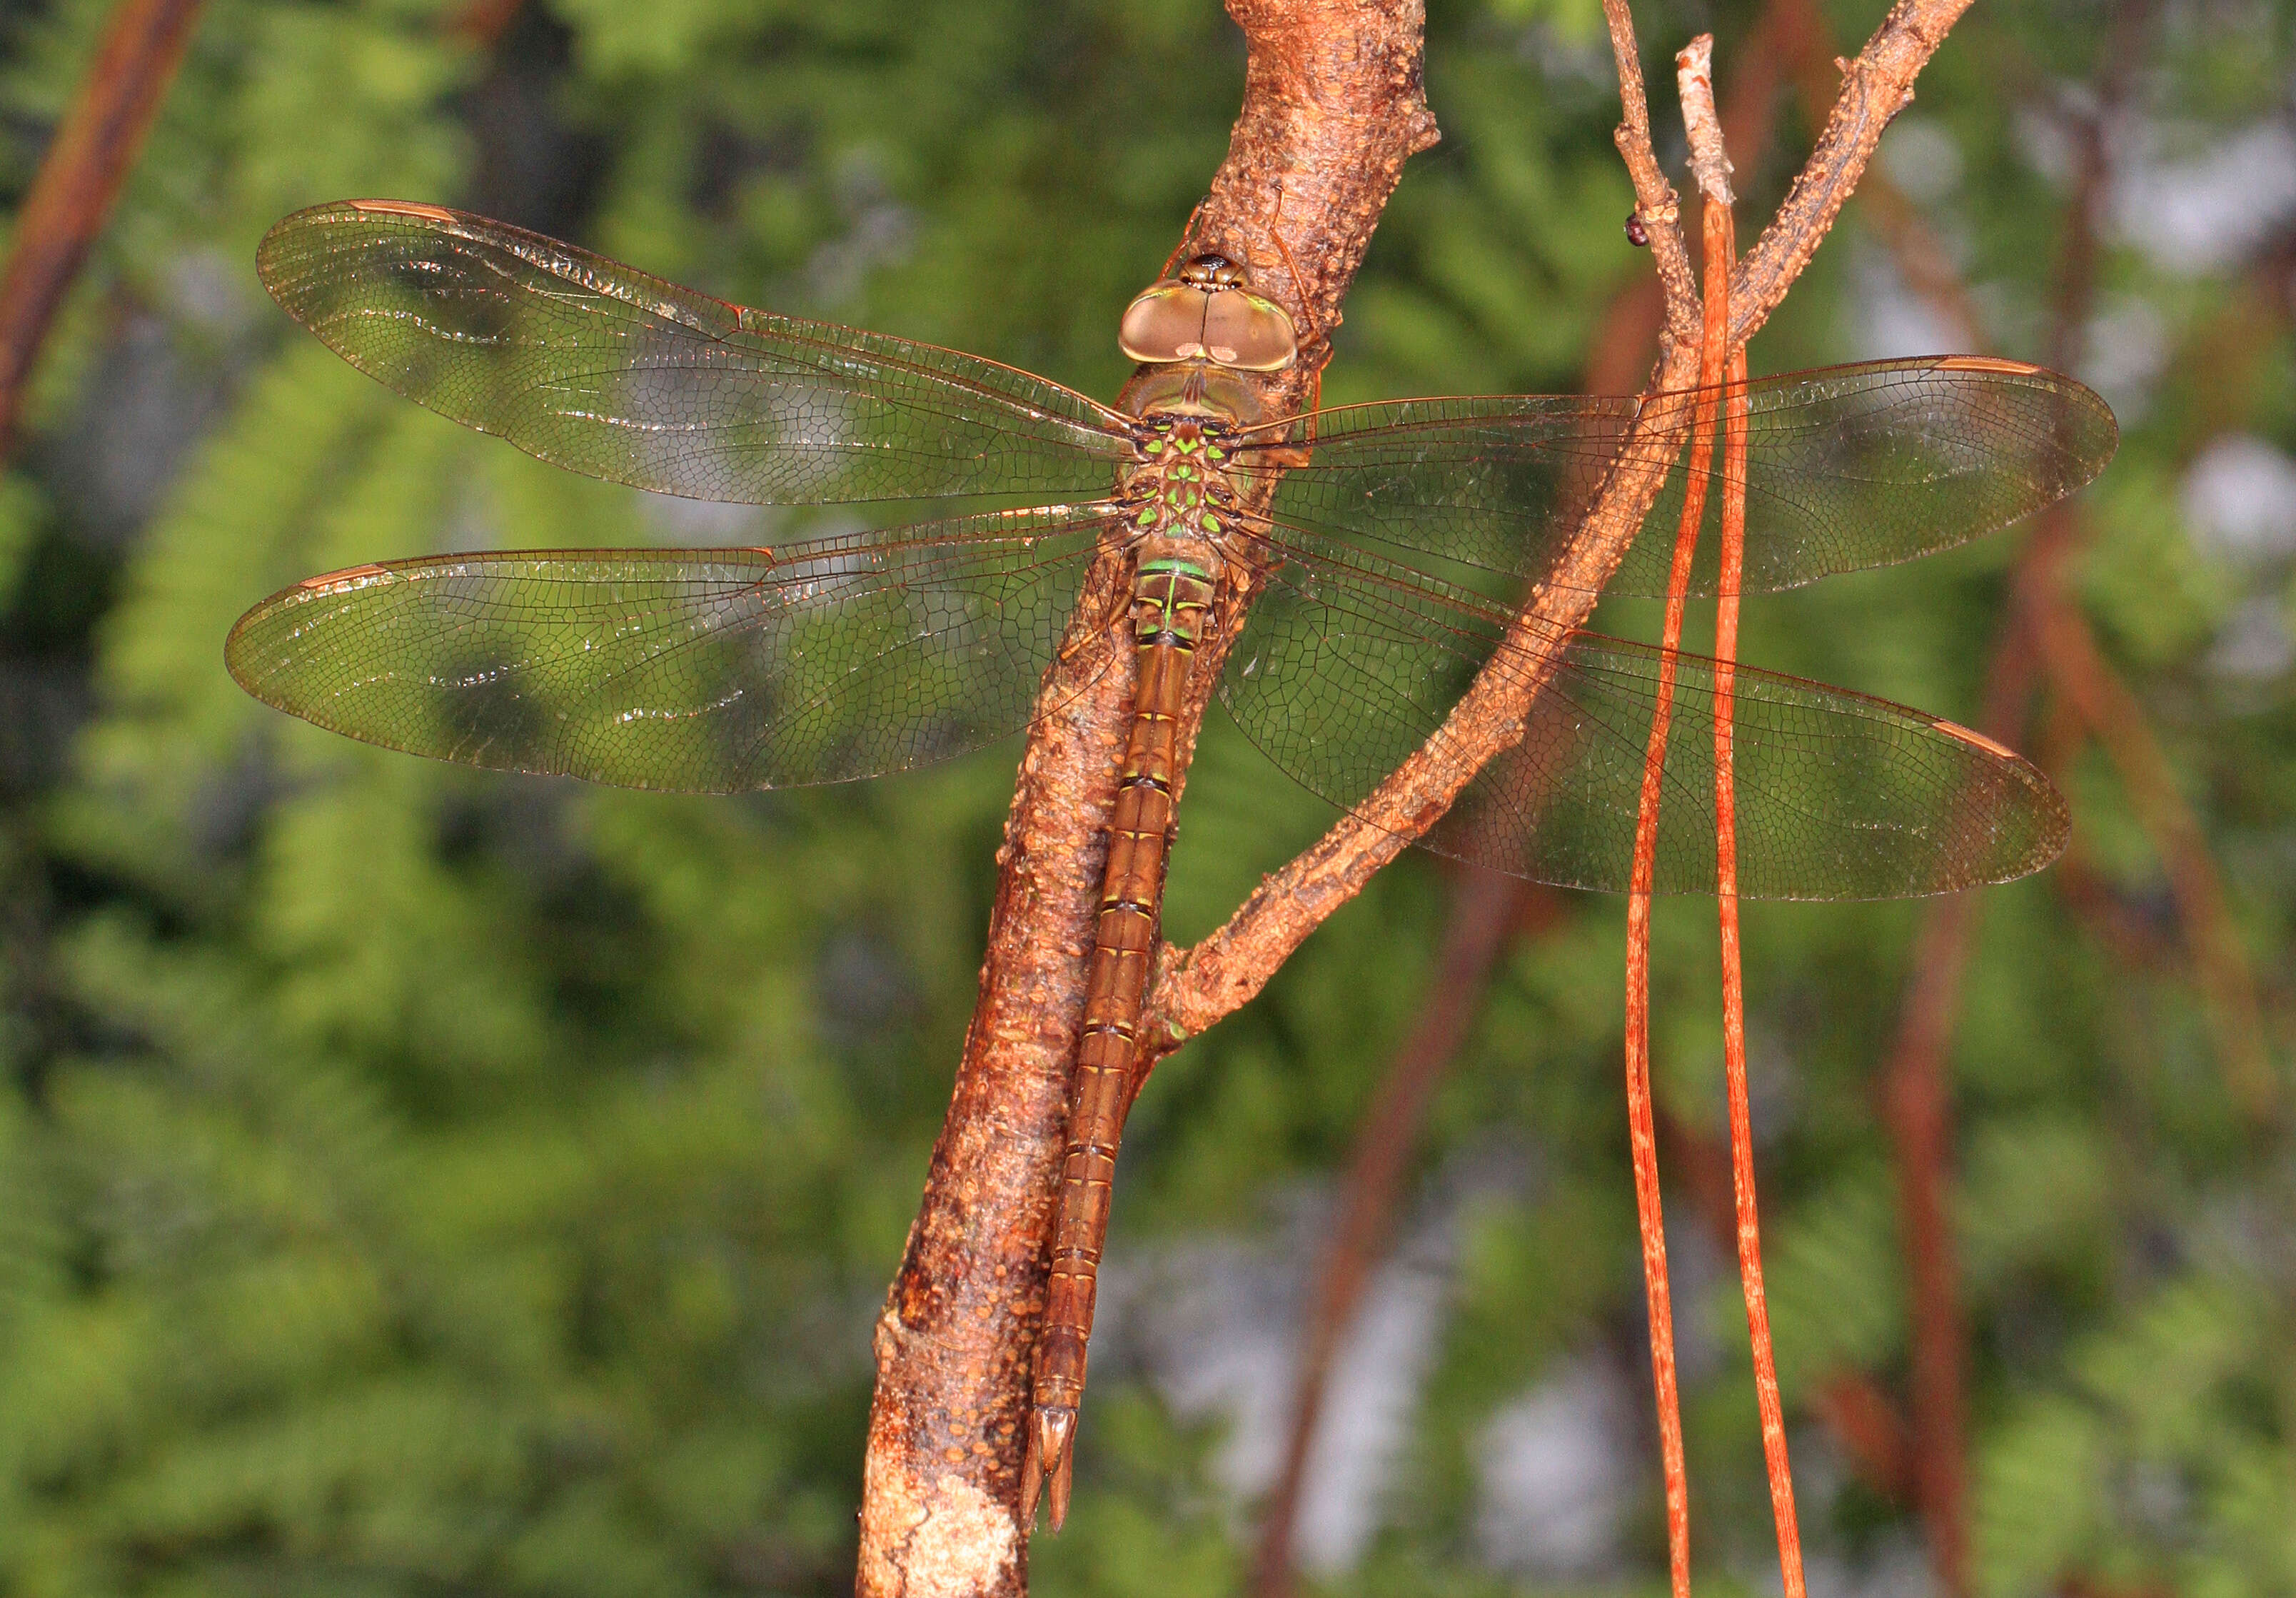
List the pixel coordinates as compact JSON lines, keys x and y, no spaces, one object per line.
{"x":1051,"y":1431}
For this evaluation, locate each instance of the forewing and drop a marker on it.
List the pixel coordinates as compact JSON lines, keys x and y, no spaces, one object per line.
{"x":1346,"y":667}
{"x":1846,"y":468}
{"x":692,"y":670}
{"x":594,"y":366}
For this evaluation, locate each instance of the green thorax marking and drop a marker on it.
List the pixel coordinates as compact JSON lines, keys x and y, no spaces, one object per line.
{"x":1180,"y":485}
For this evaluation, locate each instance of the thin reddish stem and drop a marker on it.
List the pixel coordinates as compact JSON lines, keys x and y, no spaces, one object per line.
{"x":71,"y":196}
{"x":1487,"y":911}
{"x":1733,"y":990}
{"x":1642,"y":1134}
{"x":1710,"y":162}
{"x":1649,"y":1213}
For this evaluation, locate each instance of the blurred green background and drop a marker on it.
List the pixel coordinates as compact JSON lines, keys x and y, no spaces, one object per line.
{"x":418,"y":1180}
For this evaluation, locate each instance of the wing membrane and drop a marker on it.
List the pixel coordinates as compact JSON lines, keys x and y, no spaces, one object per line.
{"x":1346,"y":667}
{"x":1846,"y":468}
{"x":606,"y":371}
{"x":691,"y":670}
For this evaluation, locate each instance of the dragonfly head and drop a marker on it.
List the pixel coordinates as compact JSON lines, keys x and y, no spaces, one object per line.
{"x":1206,"y":314}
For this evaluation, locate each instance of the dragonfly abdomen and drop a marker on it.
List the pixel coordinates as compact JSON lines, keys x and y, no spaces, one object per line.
{"x":1171,"y":597}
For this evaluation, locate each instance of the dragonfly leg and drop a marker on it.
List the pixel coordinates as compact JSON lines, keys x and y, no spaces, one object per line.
{"x":1113,"y":612}
{"x":1299,"y":283}
{"x":1299,"y":288}
{"x":1187,"y":234}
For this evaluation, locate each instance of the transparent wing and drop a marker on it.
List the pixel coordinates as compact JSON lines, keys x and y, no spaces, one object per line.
{"x":606,"y":371}
{"x":692,"y":670}
{"x":1345,"y":667}
{"x":1846,"y":468}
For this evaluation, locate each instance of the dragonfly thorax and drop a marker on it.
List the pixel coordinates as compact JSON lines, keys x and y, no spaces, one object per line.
{"x":1180,"y":485}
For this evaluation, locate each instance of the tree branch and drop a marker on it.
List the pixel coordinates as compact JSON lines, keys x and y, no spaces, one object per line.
{"x":1332,"y":108}
{"x":1656,"y":204}
{"x":1874,"y":89}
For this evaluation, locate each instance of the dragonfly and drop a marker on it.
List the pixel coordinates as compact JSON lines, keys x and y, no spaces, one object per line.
{"x":1367,"y":539}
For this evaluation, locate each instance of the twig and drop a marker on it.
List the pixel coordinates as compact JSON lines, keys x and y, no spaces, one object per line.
{"x":1803,"y":39}
{"x":1332,"y":109}
{"x":1696,"y":80}
{"x":78,"y":179}
{"x":1916,"y":1088}
{"x":1650,"y":1214}
{"x":1874,"y":89}
{"x":1484,"y":911}
{"x":1733,"y":999}
{"x":1710,"y":169}
{"x":1655,"y":205}
{"x":483,"y":22}
{"x":1197,"y":987}
{"x":2110,"y":711}
{"x":1711,"y":165}
{"x":1488,"y":912}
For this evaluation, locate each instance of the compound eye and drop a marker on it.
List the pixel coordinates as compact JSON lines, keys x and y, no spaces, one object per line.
{"x":1249,"y":333}
{"x":1165,"y":324}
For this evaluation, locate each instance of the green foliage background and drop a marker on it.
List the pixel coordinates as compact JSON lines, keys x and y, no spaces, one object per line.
{"x":415,"y":1181}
